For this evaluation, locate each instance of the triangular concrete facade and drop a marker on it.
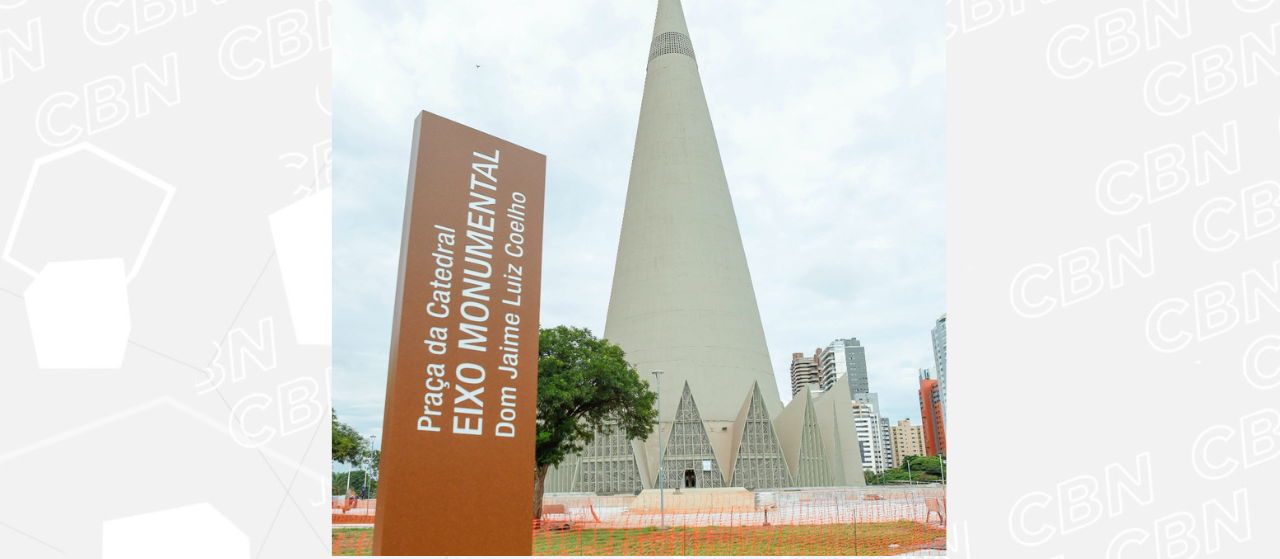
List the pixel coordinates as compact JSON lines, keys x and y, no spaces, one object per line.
{"x":802,"y":442}
{"x":840,"y":434}
{"x":607,"y":465}
{"x":813,"y":468}
{"x":788,"y":425}
{"x":687,"y":447}
{"x":758,"y":462}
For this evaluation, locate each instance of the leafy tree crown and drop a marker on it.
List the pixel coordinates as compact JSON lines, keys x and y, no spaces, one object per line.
{"x":586,"y":386}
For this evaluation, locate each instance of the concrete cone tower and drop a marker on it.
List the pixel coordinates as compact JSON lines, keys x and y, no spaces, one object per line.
{"x":683,"y":302}
{"x":682,"y":298}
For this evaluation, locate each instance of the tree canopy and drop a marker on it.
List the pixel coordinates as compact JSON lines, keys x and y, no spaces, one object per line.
{"x":923,"y":469}
{"x":585,"y":386}
{"x":348,"y":446}
{"x":928,"y":464}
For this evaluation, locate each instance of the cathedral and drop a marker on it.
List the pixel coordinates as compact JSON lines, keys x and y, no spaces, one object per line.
{"x":682,"y":302}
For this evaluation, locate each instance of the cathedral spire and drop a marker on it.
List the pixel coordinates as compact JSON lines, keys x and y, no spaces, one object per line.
{"x":682,"y":301}
{"x":682,"y":298}
{"x":670,"y":18}
{"x":670,"y":35}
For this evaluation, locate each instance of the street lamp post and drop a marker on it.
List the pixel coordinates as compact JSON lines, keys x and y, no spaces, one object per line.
{"x":662,"y":505}
{"x":364,"y":476}
{"x":373,"y":444}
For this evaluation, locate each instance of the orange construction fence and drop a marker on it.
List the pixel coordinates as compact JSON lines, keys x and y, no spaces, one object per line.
{"x":731,"y":521}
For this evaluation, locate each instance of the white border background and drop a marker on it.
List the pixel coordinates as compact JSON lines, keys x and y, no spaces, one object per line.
{"x":1090,"y":428}
{"x":1112,"y":401}
{"x":200,"y":433}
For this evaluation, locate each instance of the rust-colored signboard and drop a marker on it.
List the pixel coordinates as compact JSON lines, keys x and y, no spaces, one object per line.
{"x":456,"y":473}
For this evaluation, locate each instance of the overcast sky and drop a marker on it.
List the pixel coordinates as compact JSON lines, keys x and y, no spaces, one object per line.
{"x":831,"y":119}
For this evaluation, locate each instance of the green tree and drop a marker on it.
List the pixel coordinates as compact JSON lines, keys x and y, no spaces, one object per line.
{"x":348,"y":445}
{"x":900,"y":476}
{"x":931,"y":465}
{"x":914,"y":469}
{"x":585,"y":386}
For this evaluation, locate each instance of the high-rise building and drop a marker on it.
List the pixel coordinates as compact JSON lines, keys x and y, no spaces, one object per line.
{"x":683,"y":302}
{"x":804,"y":371}
{"x":845,"y":358}
{"x":908,"y":440}
{"x":939,"y":335}
{"x":845,"y":361}
{"x":935,"y":432}
{"x":873,"y":437}
{"x":870,"y":398}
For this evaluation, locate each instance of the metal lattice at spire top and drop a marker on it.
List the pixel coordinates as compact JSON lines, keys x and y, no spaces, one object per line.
{"x":688,"y":446}
{"x":759,"y":463}
{"x":669,"y":43}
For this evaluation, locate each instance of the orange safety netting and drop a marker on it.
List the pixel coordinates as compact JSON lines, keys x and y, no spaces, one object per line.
{"x":864,"y":521}
{"x":353,"y":511}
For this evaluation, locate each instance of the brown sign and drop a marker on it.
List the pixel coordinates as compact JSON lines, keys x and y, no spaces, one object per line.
{"x":456,"y":472}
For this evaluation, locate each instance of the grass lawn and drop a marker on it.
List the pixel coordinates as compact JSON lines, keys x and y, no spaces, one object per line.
{"x":831,"y":539}
{"x":352,"y":541}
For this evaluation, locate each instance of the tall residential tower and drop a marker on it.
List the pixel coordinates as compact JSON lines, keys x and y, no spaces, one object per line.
{"x":908,"y":440}
{"x":935,"y":429}
{"x":804,"y":371}
{"x":845,"y":358}
{"x":939,"y":335}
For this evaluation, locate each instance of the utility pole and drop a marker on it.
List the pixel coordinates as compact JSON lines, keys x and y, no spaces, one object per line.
{"x":373,"y":440}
